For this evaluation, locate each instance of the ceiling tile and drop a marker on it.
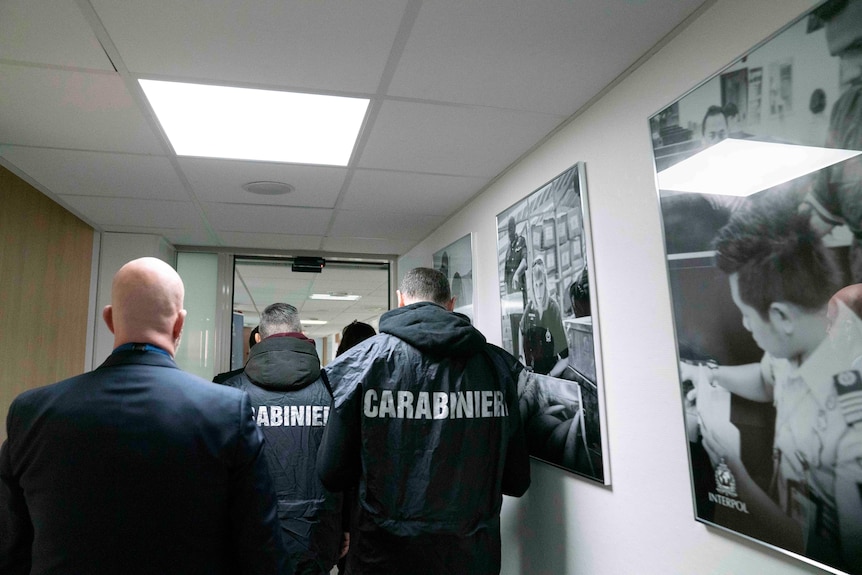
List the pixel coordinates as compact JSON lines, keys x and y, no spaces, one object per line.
{"x":187,"y":236}
{"x":454,"y":140}
{"x":410,"y":192}
{"x":128,"y":213}
{"x":367,"y":245}
{"x":380,"y":224}
{"x":49,"y":32}
{"x":222,"y":180}
{"x":270,"y":241}
{"x":508,"y":54}
{"x":78,"y":110}
{"x":334,"y":46}
{"x":71,"y":172}
{"x":268,"y":219}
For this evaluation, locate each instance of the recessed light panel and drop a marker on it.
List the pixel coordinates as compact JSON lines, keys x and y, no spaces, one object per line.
{"x":335,"y":297}
{"x":744,"y":167}
{"x":246,"y":124}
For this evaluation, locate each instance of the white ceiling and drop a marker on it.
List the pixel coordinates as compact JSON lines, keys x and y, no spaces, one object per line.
{"x":459,"y":91}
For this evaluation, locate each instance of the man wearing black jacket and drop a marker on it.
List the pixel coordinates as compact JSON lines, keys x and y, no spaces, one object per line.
{"x":426,"y":419}
{"x":291,"y":405}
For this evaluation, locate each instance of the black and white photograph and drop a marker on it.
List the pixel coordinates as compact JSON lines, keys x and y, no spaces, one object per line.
{"x":759,"y":178}
{"x":456,"y":263}
{"x":549,"y":321}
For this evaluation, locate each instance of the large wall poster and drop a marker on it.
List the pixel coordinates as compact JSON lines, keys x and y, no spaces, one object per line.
{"x":456,"y":263}
{"x":550,"y":323}
{"x":764,"y":268}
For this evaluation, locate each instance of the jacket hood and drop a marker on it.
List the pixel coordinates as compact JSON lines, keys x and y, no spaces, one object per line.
{"x":283,"y":362}
{"x":433,"y":330}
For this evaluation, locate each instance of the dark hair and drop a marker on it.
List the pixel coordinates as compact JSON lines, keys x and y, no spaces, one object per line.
{"x":279,"y":318}
{"x":730,"y":110}
{"x":712,"y":111}
{"x":817,"y":102}
{"x":778,"y":257}
{"x":426,"y":284}
{"x":354,"y":333}
{"x":251,"y":338}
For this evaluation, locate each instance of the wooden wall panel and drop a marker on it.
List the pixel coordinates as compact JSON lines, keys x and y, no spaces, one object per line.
{"x":45,"y":259}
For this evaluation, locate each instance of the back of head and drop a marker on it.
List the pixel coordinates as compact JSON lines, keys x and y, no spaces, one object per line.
{"x":279,"y":318}
{"x":426,"y":284}
{"x":730,"y":110}
{"x":712,"y":112}
{"x":354,"y":333}
{"x":778,"y":256}
{"x":146,"y":301}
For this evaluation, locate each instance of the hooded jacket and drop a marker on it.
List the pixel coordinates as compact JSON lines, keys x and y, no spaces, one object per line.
{"x":426,"y":418}
{"x":291,"y":404}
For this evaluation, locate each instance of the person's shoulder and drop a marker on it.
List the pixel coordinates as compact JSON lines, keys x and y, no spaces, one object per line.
{"x":51,"y":389}
{"x":503,"y":361}
{"x":228,"y":375}
{"x":237,"y":380}
{"x":363,"y":350}
{"x":195,"y":388}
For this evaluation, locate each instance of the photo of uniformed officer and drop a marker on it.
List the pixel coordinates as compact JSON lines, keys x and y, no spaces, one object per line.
{"x":455,"y":261}
{"x":767,"y":299}
{"x":548,"y":323}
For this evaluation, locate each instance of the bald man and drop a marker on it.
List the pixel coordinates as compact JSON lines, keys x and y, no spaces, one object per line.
{"x":137,"y":466}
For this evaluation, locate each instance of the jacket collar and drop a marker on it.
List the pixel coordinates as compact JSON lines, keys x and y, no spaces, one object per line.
{"x":138,"y":357}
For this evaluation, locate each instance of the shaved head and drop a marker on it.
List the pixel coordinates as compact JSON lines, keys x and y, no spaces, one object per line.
{"x":146,"y":304}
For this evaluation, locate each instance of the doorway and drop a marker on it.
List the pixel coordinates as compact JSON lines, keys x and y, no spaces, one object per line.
{"x":342,"y":291}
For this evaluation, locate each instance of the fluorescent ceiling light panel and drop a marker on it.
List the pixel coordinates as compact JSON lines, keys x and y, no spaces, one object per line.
{"x":335,"y":297}
{"x":265,"y":125}
{"x":313,"y":321}
{"x":744,"y":167}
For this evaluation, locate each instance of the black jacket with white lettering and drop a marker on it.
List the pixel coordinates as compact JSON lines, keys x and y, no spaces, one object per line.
{"x":426,"y":418}
{"x":291,"y":404}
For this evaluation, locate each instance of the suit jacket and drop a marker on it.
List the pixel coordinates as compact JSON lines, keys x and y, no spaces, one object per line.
{"x":136,"y":467}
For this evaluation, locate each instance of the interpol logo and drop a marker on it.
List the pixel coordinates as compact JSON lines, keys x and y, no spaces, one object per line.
{"x":725,"y":482}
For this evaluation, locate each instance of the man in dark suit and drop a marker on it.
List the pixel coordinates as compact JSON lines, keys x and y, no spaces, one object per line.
{"x":137,"y":466}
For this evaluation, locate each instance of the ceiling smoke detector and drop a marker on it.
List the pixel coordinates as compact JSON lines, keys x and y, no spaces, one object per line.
{"x":268,"y":188}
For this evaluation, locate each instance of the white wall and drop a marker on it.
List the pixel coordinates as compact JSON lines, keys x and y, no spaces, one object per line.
{"x":643,"y":523}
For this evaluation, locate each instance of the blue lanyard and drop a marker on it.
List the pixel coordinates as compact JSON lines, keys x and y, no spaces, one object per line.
{"x":141,"y":347}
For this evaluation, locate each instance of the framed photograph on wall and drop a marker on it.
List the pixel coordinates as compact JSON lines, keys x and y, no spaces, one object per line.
{"x":456,"y":262}
{"x":550,"y":323}
{"x":762,"y":219}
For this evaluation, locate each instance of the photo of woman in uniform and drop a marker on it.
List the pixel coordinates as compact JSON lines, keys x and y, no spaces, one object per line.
{"x":548,"y":323}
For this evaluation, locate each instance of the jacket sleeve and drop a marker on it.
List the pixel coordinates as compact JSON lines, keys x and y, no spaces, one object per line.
{"x":256,"y":530}
{"x":516,"y":469}
{"x":16,"y":528}
{"x":338,"y":457}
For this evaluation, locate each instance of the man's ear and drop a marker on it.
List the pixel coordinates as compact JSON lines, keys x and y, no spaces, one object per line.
{"x":450,"y":305}
{"x":178,"y":325}
{"x":782,"y":316}
{"x":401,"y":299}
{"x":108,"y":316}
